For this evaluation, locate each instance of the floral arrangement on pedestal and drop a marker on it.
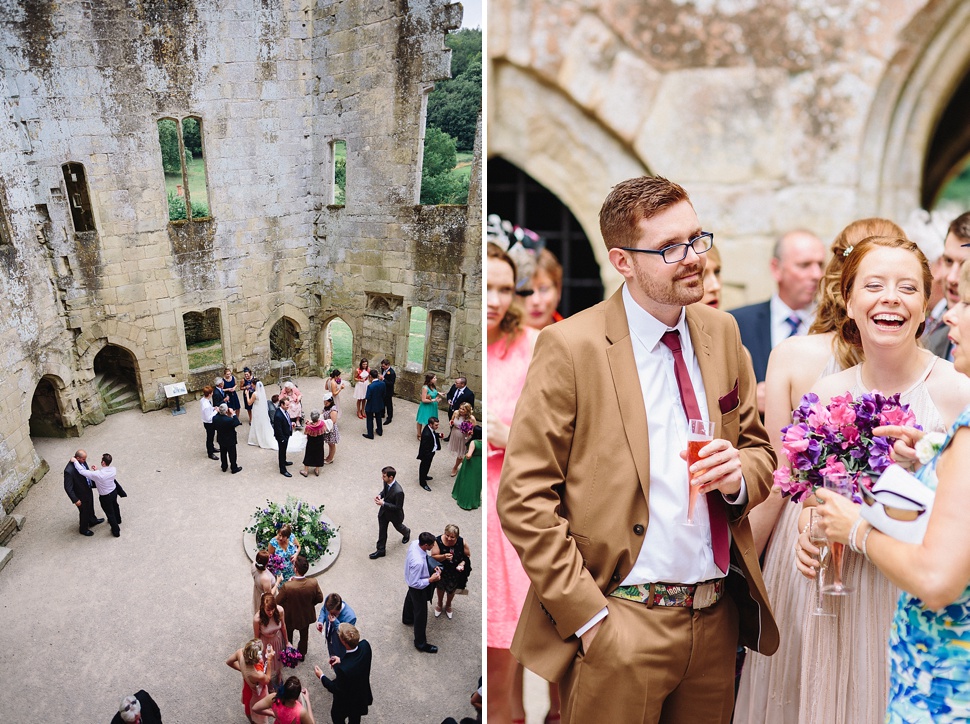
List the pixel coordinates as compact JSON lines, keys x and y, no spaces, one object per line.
{"x":838,"y":438}
{"x":313,"y":534}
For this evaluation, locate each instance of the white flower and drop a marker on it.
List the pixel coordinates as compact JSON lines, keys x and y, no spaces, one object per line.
{"x":929,"y":446}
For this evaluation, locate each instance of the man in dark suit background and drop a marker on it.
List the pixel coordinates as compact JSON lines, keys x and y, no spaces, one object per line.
{"x":937,"y":340}
{"x":78,"y":489}
{"x":351,"y":683}
{"x":457,"y":396}
{"x":389,"y":376}
{"x":298,"y":597}
{"x":226,"y":423}
{"x":430,"y":444}
{"x":282,"y":430}
{"x":374,"y":407}
{"x":797,"y":265}
{"x":391,"y":510}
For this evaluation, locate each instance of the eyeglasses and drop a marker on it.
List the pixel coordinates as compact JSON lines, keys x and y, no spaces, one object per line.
{"x":676,"y":253}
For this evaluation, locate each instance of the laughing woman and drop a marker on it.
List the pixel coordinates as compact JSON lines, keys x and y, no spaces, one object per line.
{"x":929,"y":642}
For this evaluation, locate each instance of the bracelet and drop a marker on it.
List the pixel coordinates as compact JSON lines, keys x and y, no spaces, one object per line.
{"x":865,"y":540}
{"x":852,"y":532}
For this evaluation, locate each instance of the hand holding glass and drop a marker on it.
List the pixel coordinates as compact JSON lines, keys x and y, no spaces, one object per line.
{"x":841,"y":484}
{"x":817,"y":537}
{"x":699,"y":433}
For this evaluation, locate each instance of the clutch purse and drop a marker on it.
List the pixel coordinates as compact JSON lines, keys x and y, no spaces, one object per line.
{"x":898,"y":505}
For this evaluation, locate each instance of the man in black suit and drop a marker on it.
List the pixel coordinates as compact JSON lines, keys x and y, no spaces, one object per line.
{"x":282,"y":430}
{"x":391,"y":510}
{"x":218,"y":394}
{"x":226,"y":423}
{"x":78,"y":489}
{"x":138,"y":709}
{"x":374,"y":407}
{"x":389,"y":376}
{"x":351,"y":683}
{"x":430,"y":444}
{"x":797,"y":265}
{"x":457,"y":396}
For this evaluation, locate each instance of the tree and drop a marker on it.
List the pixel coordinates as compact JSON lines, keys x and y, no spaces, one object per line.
{"x":439,"y":183}
{"x":168,"y":137}
{"x":192,"y":137}
{"x":454,"y":104}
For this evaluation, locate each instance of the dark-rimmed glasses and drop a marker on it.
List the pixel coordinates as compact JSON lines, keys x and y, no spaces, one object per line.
{"x":676,"y":253}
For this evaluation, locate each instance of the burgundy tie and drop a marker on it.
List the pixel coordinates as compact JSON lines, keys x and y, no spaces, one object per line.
{"x":715,"y":501}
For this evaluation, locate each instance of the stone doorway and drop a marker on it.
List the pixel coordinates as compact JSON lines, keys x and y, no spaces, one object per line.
{"x":46,"y":418}
{"x":116,"y":375}
{"x":516,"y":196}
{"x":338,"y":347}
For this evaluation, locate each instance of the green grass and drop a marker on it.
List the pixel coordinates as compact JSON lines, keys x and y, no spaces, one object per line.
{"x":203,"y":354}
{"x":416,"y":336}
{"x":197,"y":188}
{"x":958,"y":190}
{"x":342,"y":344}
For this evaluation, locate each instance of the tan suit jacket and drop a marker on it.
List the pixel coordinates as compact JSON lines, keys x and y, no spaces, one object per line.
{"x":298,"y":596}
{"x":575,"y":486}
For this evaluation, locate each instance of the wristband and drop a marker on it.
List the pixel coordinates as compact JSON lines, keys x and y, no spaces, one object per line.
{"x":852,"y":532}
{"x":865,"y":541}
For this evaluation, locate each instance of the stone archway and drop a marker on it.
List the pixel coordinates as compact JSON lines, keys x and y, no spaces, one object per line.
{"x":337,"y":341}
{"x":46,"y":416}
{"x":917,"y":87}
{"x":116,"y":376}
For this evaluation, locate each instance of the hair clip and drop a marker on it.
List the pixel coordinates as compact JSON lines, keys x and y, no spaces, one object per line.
{"x":848,"y":250}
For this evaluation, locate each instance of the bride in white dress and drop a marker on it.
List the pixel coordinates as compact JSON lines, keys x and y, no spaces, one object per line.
{"x":261,"y":429}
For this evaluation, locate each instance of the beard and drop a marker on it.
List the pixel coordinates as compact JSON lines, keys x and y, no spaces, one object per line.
{"x":673,"y":292}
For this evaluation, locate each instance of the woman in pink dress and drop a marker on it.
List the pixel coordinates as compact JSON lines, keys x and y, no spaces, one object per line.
{"x":509,"y":353}
{"x":290,"y":704}
{"x":251,"y":663}
{"x":269,"y":626}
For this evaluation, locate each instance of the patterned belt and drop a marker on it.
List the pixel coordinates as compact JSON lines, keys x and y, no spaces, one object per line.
{"x":695,"y":595}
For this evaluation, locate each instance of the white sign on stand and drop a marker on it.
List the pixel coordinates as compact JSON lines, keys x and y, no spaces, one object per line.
{"x":176,"y":390}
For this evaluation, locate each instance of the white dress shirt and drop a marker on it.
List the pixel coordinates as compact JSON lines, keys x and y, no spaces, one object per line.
{"x":780,"y":312}
{"x":208,"y":411}
{"x":416,"y":566}
{"x":103,"y":478}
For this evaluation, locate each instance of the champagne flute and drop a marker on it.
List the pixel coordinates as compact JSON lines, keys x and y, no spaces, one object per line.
{"x":818,"y":538}
{"x":699,"y":433}
{"x":839,"y":483}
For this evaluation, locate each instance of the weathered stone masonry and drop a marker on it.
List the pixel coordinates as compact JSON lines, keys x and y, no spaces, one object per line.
{"x":275,"y":83}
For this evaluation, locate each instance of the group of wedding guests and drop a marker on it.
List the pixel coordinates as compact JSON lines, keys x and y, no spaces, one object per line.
{"x":877,"y":316}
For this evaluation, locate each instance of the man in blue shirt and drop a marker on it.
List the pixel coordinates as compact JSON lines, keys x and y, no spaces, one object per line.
{"x":418,"y":580}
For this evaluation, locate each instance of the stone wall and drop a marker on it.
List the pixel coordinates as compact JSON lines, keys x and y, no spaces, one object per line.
{"x":774,"y":116}
{"x":274,"y":83}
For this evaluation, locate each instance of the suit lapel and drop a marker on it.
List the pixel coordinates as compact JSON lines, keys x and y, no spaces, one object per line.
{"x":710,"y":370}
{"x":623,"y":370}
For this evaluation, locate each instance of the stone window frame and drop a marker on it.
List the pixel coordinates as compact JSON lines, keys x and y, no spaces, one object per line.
{"x":223,"y":330}
{"x":416,"y":365}
{"x":67,"y":167}
{"x":332,"y":166}
{"x":185,"y":172}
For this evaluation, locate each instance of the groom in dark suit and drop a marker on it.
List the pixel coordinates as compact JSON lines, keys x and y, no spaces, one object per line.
{"x":78,"y":489}
{"x":351,"y":683}
{"x":430,"y":444}
{"x":375,"y":405}
{"x":282,"y":430}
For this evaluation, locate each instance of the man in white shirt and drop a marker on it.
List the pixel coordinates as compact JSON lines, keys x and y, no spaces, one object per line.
{"x":418,"y":579}
{"x":208,"y":412}
{"x":797,"y":265}
{"x":104,"y":479}
{"x":631,"y":610}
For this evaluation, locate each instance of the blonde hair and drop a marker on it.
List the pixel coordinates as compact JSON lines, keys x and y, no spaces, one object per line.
{"x":451,"y":529}
{"x":252,"y":651}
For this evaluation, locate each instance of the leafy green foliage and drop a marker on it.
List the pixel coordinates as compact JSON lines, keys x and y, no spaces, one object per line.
{"x":313,"y":534}
{"x":168,"y":138}
{"x":340,"y":181}
{"x":176,"y":208}
{"x":439,"y":182}
{"x":454,"y":104}
{"x":192,"y":137}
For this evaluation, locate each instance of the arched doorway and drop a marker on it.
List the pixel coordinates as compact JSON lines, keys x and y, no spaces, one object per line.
{"x":338,"y":347}
{"x":46,"y":418}
{"x":517,"y":197}
{"x":116,"y":375}
{"x":284,"y":341}
{"x":946,"y":170}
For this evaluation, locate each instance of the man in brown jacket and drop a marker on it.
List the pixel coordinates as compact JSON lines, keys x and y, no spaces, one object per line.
{"x":634,"y":613}
{"x":298,"y":596}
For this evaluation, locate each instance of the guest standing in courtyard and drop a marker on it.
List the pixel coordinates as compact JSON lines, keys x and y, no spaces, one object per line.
{"x":389,"y":376}
{"x":269,"y":626}
{"x":454,"y":555}
{"x":263,"y":580}
{"x":429,"y":402}
{"x":430,"y":444}
{"x":229,"y":388}
{"x":467,"y":490}
{"x":208,"y":413}
{"x":104,"y":479}
{"x":282,"y":431}
{"x":248,"y":391}
{"x":314,"y":456}
{"x":299,"y":597}
{"x":78,"y":489}
{"x":334,"y":612}
{"x":287,"y":547}
{"x":250,"y":663}
{"x":415,"y":611}
{"x":335,"y":386}
{"x":289,"y":705}
{"x":351,"y":683}
{"x":461,"y":425}
{"x":361,"y":380}
{"x":226,"y":423}
{"x":390,"y":502}
{"x":374,"y":405}
{"x":331,"y":436}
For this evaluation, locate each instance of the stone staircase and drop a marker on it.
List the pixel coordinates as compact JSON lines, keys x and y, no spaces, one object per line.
{"x":117,"y":394}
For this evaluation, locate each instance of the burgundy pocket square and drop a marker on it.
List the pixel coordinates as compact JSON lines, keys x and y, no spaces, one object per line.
{"x":729,"y":401}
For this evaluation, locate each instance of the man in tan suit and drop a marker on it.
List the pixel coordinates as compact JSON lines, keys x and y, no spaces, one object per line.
{"x":298,"y":596}
{"x":631,"y":610}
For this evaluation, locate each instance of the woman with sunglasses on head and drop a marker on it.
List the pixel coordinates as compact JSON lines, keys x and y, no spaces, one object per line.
{"x":929,"y":642}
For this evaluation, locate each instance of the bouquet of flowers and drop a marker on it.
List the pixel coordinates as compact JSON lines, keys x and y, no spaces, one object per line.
{"x":466,"y":427}
{"x":838,"y":438}
{"x":289,"y":657}
{"x":275,"y":564}
{"x":312,"y":533}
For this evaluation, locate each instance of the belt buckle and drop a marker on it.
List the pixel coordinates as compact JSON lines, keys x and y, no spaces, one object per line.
{"x":704,"y":595}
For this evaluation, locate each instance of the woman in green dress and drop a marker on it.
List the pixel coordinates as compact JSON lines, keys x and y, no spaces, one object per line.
{"x":429,"y":402}
{"x":468,"y":485}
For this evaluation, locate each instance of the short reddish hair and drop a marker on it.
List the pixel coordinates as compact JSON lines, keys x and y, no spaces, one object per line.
{"x":632,"y":201}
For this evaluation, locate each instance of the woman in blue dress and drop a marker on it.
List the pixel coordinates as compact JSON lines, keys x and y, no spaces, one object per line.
{"x":929,"y":643}
{"x":429,"y":402}
{"x":229,"y":388}
{"x":286,"y":546}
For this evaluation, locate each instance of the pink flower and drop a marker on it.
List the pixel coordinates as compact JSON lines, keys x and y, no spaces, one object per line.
{"x":896,"y":416}
{"x":833,"y":466}
{"x":783,"y":481}
{"x":841,"y":410}
{"x":851,"y":435}
{"x":819,"y":418}
{"x":795,"y":440}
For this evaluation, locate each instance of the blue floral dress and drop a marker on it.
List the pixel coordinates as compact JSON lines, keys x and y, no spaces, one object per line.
{"x":929,"y":650}
{"x":286,"y":554}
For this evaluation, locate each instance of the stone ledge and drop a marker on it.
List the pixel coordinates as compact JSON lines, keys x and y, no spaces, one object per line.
{"x":5,"y":555}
